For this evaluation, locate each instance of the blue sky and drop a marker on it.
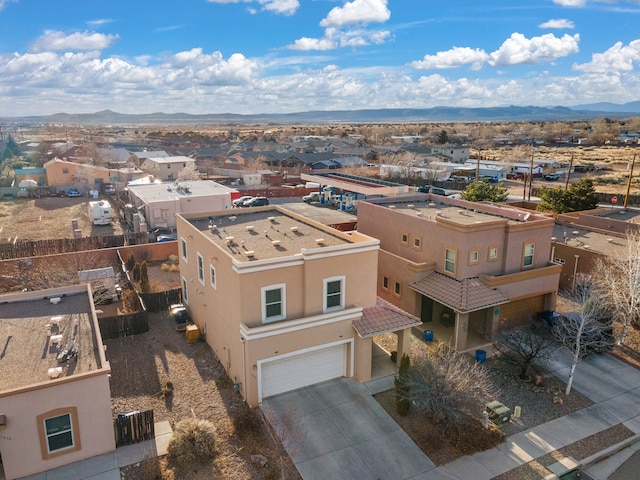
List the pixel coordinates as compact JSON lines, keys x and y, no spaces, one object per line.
{"x":280,"y":56}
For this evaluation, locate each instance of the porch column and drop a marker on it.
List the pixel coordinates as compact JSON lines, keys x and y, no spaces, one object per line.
{"x":404,"y":343}
{"x":462,"y":327}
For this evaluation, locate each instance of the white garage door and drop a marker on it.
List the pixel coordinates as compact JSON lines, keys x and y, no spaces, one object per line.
{"x":304,"y":369}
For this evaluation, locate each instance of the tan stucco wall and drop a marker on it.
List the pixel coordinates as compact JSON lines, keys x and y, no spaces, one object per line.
{"x":19,"y":439}
{"x":56,"y":176}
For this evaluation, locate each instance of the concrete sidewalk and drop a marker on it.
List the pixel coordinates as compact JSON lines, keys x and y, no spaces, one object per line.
{"x":613,"y":385}
{"x":107,"y":466}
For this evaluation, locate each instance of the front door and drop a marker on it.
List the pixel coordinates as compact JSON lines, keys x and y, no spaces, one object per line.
{"x":426,"y":311}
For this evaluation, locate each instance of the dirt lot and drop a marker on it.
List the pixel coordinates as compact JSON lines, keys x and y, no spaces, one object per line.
{"x":48,"y":217}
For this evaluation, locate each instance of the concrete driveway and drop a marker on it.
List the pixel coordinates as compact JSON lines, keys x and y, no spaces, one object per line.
{"x":337,"y":429}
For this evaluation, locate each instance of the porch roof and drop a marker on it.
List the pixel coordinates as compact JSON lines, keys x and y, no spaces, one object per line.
{"x":463,"y":296}
{"x":383,"y":318}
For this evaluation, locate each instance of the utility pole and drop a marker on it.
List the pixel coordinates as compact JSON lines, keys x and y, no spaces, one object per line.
{"x":531,"y":173}
{"x":566,"y":183}
{"x":626,"y":197}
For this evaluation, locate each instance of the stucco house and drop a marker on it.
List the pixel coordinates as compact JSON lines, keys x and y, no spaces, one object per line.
{"x":166,"y":168}
{"x":284,"y":301}
{"x":465,"y":269}
{"x":55,"y":401}
{"x":65,"y":173}
{"x":160,"y":202}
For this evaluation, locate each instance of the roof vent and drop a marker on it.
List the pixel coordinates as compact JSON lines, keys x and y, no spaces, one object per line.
{"x":249,"y":228}
{"x":54,"y":372}
{"x":392,"y":207}
{"x":320,"y":241}
{"x":419,"y":213}
{"x":250,"y":253}
{"x":410,"y":206}
{"x":229,"y":240}
{"x":271,"y":219}
{"x":294,"y":229}
{"x":275,"y":243}
{"x":55,"y":340}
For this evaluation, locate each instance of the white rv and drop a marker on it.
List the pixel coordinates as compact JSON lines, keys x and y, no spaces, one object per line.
{"x":101,"y":212}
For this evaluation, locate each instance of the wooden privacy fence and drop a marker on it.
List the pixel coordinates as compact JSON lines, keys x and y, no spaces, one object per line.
{"x":160,"y":301}
{"x":124,"y":325}
{"x":35,"y":248}
{"x":133,"y":427}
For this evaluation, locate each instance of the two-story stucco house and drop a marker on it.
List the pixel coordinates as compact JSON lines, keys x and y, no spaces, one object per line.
{"x":55,"y":401}
{"x":465,"y":269}
{"x":284,"y":301}
{"x":166,"y":168}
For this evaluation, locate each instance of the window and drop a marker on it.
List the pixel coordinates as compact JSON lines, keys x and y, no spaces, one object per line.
{"x":333,"y":294}
{"x":212,"y":275}
{"x":385,"y":283}
{"x":58,"y":431}
{"x":183,"y":249}
{"x":396,"y":288}
{"x":200,"y":268}
{"x":474,"y":256}
{"x":65,"y":170}
{"x":404,"y":238}
{"x":529,"y":250}
{"x":450,"y":261}
{"x":274,"y":303}
{"x":185,"y":291}
{"x":417,"y":243}
{"x":493,"y":253}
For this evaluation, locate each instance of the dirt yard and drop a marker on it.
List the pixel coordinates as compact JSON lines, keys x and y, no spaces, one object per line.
{"x":48,"y":218}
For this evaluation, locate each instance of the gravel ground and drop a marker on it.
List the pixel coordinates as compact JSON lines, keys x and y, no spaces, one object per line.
{"x":142,"y":365}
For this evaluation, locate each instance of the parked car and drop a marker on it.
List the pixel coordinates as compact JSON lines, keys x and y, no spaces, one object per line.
{"x":109,"y":189}
{"x":312,"y":197}
{"x":551,"y":177}
{"x":257,"y":202}
{"x":179,"y":313}
{"x":424,"y":188}
{"x":238,"y":202}
{"x":169,"y":237}
{"x":73,"y":192}
{"x":440,"y":191}
{"x":489,"y":178}
{"x":156,"y":232}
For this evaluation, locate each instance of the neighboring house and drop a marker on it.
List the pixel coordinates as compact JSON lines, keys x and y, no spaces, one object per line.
{"x":54,"y":409}
{"x":465,"y":269}
{"x":166,"y":168}
{"x":283,"y":301}
{"x":161,"y":202}
{"x":63,"y":173}
{"x":455,"y":153}
{"x":38,"y":175}
{"x":137,"y":158}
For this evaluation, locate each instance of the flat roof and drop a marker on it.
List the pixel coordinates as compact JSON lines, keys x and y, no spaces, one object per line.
{"x":586,"y":239}
{"x":431,"y":207}
{"x":154,"y":192}
{"x":267,"y":233}
{"x":28,"y":346}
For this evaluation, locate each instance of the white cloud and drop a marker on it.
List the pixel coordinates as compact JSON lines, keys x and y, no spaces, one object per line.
{"x":4,"y":3}
{"x":615,"y":61}
{"x":306,"y":43}
{"x":282,"y":7}
{"x":335,"y":38}
{"x":357,"y":12}
{"x":519,"y":50}
{"x":557,"y":23}
{"x":99,"y":21}
{"x":454,"y":58}
{"x":570,"y":3}
{"x":57,"y":41}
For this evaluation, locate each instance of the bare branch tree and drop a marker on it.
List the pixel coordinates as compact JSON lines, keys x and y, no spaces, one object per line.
{"x":445,"y":385}
{"x":586,"y":330}
{"x":189,"y":172}
{"x":618,"y":281}
{"x":522,"y":346}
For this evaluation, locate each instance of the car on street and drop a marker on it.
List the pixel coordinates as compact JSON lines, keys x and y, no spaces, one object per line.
{"x":440,"y":191}
{"x":238,"y":202}
{"x":256,"y":202}
{"x":551,"y":177}
{"x":424,"y":188}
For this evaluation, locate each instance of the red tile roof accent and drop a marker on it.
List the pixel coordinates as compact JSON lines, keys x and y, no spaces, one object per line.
{"x":463,"y":296}
{"x":383,"y":318}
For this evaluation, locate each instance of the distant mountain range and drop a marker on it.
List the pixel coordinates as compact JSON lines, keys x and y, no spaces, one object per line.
{"x":396,"y":115}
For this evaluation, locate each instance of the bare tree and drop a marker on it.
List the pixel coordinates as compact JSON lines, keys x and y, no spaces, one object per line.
{"x":445,"y":385}
{"x":522,"y":346}
{"x":189,"y":172}
{"x":618,"y":281}
{"x":587,"y":329}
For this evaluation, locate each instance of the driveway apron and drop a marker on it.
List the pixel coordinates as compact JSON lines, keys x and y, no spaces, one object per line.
{"x":337,"y":430}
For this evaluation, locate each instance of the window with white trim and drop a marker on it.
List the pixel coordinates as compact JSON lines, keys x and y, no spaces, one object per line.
{"x":450,"y":260}
{"x":59,"y":432}
{"x":474,"y":256}
{"x":274,"y":303}
{"x":404,"y":238}
{"x":397,"y":289}
{"x":385,"y":283}
{"x":212,"y":275}
{"x":183,"y":249}
{"x":493,"y":253}
{"x":185,"y":291}
{"x":333,"y":294}
{"x":529,"y":252}
{"x":200,"y":268}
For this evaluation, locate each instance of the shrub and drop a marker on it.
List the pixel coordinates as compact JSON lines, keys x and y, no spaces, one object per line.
{"x":174,"y":268}
{"x":165,"y":267}
{"x":193,"y":440}
{"x":173,"y":259}
{"x":402,"y":389}
{"x":136,"y":272}
{"x":131,"y":262}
